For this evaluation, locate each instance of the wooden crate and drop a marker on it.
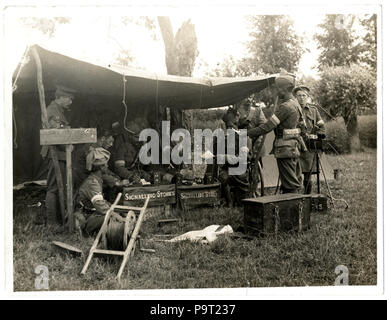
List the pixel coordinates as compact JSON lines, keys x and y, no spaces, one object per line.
{"x":318,"y":203}
{"x":273,"y":214}
{"x":198,"y":195}
{"x":161,"y":203}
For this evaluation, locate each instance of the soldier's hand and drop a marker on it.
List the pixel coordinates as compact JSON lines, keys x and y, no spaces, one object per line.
{"x":136,"y":179}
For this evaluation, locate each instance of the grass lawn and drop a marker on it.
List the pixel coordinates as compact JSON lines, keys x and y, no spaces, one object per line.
{"x":342,"y":237}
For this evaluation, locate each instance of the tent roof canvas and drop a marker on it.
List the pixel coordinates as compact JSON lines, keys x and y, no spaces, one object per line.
{"x":141,"y":87}
{"x":104,"y":85}
{"x":98,"y":101}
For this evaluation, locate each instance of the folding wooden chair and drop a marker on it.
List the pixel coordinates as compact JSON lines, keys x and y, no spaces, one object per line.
{"x":102,"y":233}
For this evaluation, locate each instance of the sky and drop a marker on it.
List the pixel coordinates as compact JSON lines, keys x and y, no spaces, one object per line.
{"x":98,"y":38}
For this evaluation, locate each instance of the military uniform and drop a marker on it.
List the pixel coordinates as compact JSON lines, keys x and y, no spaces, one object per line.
{"x":285,"y":117}
{"x":56,"y":120}
{"x":91,"y":199}
{"x":254,"y":118}
{"x":313,"y":125}
{"x":124,"y":156}
{"x":80,"y":173}
{"x":239,"y":183}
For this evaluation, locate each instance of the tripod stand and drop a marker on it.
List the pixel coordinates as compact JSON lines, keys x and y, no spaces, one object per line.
{"x":318,"y":167}
{"x":316,"y":146}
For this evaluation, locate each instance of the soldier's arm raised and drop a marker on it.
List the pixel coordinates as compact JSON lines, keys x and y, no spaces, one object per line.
{"x":264,"y":128}
{"x":280,"y":114}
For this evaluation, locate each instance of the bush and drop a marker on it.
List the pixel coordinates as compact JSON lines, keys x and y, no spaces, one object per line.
{"x":208,"y":119}
{"x":368,"y":130}
{"x":208,"y":114}
{"x":337,"y":136}
{"x":347,"y":91}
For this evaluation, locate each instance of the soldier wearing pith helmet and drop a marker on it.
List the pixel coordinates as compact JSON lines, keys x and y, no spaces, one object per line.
{"x":287,"y":143}
{"x":313,"y":125}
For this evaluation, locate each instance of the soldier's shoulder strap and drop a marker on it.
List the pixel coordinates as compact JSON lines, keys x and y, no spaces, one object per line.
{"x":300,"y":112}
{"x":313,"y":105}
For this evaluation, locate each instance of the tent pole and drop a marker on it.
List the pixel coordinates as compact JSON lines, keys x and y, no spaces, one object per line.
{"x":45,"y":125}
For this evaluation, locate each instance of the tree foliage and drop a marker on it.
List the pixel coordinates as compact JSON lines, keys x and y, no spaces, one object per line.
{"x":148,"y":23}
{"x":338,"y":43}
{"x":274,"y":44}
{"x":124,"y":58}
{"x":369,"y":45}
{"x":346,"y":91}
{"x":47,"y":26}
{"x":230,"y":67}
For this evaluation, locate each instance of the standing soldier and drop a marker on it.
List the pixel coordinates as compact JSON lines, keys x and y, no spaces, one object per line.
{"x":240,"y":183}
{"x":287,"y":143}
{"x":57,"y":120}
{"x":314,"y":125}
{"x":251,"y":118}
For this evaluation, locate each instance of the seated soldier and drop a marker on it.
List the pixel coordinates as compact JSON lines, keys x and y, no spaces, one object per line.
{"x":80,"y":173}
{"x":240,"y":183}
{"x":124,"y":157}
{"x":90,"y":203}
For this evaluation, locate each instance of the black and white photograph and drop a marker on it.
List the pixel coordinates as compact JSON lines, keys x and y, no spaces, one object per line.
{"x":192,"y":147}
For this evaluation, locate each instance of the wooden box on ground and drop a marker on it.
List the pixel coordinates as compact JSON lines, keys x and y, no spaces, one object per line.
{"x":272,"y":214}
{"x":318,"y":203}
{"x":199,"y":195}
{"x":161,"y":202}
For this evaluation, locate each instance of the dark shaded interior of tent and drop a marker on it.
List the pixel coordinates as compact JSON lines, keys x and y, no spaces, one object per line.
{"x":86,"y":112}
{"x":98,"y":101}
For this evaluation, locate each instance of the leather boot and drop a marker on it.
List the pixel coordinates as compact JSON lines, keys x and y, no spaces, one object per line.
{"x":53,"y":209}
{"x":307,"y":184}
{"x":227,"y":191}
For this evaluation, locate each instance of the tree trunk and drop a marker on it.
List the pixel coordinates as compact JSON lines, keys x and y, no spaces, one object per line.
{"x":179,"y":62}
{"x":176,"y":116}
{"x":170,"y":45}
{"x":352,"y":129}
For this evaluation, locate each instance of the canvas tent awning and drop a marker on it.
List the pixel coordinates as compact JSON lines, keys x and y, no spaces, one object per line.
{"x":99,"y":96}
{"x":142,"y":88}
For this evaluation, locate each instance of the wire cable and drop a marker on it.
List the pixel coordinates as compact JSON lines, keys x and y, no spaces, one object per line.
{"x":21,"y":65}
{"x":125,"y":105}
{"x":15,"y":146}
{"x":14,"y":87}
